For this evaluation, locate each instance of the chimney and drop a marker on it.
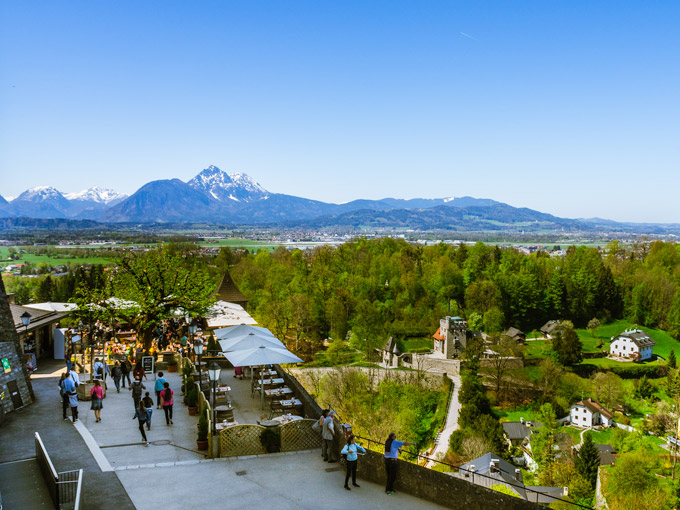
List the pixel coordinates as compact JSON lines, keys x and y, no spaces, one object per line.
{"x":521,"y":420}
{"x":518,"y":475}
{"x":493,"y":467}
{"x":566,"y":491}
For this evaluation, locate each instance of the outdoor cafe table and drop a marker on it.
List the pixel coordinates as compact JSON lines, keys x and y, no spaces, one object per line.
{"x":269,"y":382}
{"x":294,"y":402}
{"x":222,"y":389}
{"x":286,"y":418}
{"x":278,"y":392}
{"x":225,"y":425}
{"x":270,"y":373}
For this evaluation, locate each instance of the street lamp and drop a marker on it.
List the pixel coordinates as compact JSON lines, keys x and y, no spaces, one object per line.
{"x":214,"y":375}
{"x":198,"y":349}
{"x":25,"y":320}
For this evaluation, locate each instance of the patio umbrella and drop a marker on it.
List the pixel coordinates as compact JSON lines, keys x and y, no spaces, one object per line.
{"x":261,"y":356}
{"x":250,"y":341}
{"x":242,"y":329}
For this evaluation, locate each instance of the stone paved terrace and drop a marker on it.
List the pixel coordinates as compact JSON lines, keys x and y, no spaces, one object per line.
{"x":170,"y":474}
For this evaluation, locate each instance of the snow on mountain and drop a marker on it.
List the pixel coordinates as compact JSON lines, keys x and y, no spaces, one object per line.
{"x":40,"y":193}
{"x":97,"y":194}
{"x":221,"y":186}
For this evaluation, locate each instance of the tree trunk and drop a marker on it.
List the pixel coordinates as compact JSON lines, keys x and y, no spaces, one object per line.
{"x":146,"y":336}
{"x":9,"y":333}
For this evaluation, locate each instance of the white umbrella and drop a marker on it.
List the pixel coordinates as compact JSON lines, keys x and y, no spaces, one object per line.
{"x":261,"y":356}
{"x":52,"y":306}
{"x":250,"y":341}
{"x":242,"y":329}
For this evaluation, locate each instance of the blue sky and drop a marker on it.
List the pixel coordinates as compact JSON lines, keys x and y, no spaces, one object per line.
{"x":567,"y":107}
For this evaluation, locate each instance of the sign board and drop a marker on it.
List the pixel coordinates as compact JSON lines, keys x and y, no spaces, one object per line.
{"x":5,"y":365}
{"x":147,"y":364}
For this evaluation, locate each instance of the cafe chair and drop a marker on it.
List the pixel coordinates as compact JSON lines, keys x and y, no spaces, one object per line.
{"x":276,"y":408}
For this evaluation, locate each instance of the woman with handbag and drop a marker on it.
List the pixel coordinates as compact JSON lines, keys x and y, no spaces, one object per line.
{"x":351,"y":449}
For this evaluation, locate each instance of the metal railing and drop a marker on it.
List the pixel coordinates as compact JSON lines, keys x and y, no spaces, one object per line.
{"x":65,"y":488}
{"x":468,"y":475}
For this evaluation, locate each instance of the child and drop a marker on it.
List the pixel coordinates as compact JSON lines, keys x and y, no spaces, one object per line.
{"x":140,"y":414}
{"x":147,"y":402}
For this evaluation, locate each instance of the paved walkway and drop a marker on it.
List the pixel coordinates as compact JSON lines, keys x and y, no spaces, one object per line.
{"x":101,"y":490}
{"x":450,"y":425}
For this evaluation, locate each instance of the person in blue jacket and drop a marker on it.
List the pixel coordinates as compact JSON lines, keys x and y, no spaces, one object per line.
{"x":351,"y":449}
{"x":392,"y":449}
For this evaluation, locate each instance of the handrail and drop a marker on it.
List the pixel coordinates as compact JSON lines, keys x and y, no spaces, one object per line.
{"x":459,"y":468}
{"x":77,"y":504}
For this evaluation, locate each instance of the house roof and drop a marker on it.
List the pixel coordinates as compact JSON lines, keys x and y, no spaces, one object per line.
{"x":438,"y":335}
{"x":391,"y":346}
{"x":551,"y":326}
{"x":606,"y":453}
{"x":639,"y":338}
{"x":228,"y":291}
{"x":513,"y":332}
{"x":595,"y":407}
{"x":516,"y":430}
{"x":39,"y":318}
{"x":545,"y":494}
{"x":483,"y":465}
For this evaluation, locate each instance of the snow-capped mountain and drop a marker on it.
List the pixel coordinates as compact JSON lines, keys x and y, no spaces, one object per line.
{"x":222,"y":186}
{"x":39,"y":202}
{"x":97,"y":195}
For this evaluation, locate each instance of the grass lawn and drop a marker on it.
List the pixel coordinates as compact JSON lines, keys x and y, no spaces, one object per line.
{"x":416,"y":345}
{"x":514,"y":413}
{"x":51,"y":261}
{"x":538,"y":349}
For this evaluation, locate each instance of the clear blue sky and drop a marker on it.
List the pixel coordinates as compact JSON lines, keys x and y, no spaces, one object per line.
{"x":568,"y":107}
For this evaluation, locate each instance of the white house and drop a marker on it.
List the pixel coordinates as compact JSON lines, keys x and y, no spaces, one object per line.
{"x":590,"y":413}
{"x":632,"y":343}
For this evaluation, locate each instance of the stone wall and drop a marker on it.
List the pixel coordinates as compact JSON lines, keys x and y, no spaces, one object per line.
{"x":440,"y":488}
{"x":7,"y":350}
{"x":413,"y":479}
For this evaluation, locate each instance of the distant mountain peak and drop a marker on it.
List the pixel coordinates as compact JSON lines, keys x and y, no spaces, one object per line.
{"x":222,"y":186}
{"x":96,"y":194}
{"x":40,"y":193}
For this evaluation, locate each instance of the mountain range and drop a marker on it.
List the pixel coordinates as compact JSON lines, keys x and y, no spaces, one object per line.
{"x":214,"y":196}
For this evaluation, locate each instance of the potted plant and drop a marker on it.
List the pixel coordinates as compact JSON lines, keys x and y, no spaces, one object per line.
{"x":192,"y":402}
{"x":172,"y":365}
{"x":188,"y":383}
{"x":202,"y":436}
{"x":271,"y":439}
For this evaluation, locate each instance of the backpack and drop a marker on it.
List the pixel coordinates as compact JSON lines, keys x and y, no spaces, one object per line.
{"x":137,"y":389}
{"x":167,"y":396}
{"x":100,"y":370}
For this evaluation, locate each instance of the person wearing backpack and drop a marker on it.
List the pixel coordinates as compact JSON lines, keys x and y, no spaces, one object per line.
{"x":158,"y":387}
{"x":140,"y":414}
{"x":125,"y":368}
{"x":136,"y":389}
{"x":166,"y":399}
{"x":116,"y":373}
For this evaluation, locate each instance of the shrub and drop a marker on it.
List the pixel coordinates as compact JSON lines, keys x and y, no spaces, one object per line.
{"x":202,"y":427}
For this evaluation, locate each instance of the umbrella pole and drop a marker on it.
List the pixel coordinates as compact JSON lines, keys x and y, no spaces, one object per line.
{"x":261,"y":391}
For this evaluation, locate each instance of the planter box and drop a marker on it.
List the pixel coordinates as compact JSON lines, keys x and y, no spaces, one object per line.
{"x":162,"y":366}
{"x":83,"y":391}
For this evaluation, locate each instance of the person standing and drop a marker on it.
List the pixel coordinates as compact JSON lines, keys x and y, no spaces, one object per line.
{"x":138,"y":372}
{"x":147,"y":401}
{"x":351,"y":449}
{"x":97,"y":394}
{"x":158,"y":387}
{"x":136,"y":389}
{"x":64,"y":395}
{"x":140,"y":414}
{"x":116,"y":373}
{"x":69,"y":389}
{"x":392,"y":447}
{"x":125,"y":370}
{"x":167,"y":400}
{"x":327,"y":436}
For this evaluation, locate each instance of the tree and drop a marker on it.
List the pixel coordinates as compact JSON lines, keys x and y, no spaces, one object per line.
{"x":643,"y":387}
{"x":499,"y":365}
{"x":608,"y":388}
{"x":587,"y":460}
{"x":543,"y":442}
{"x":475,"y":321}
{"x":160,"y":282}
{"x":45,"y":290}
{"x":494,"y":320}
{"x":568,"y":347}
{"x":549,"y":374}
{"x":671,"y":361}
{"x":593,"y":324}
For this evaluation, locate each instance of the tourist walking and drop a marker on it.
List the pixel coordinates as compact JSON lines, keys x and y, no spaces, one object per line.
{"x":158,"y":387}
{"x":167,"y":401}
{"x":351,"y":449}
{"x":116,"y":373}
{"x":327,"y":435}
{"x":147,"y":402}
{"x":125,"y":370}
{"x":97,"y":394}
{"x":64,"y":396}
{"x":69,"y":388}
{"x":140,"y":415}
{"x":138,"y":372}
{"x":136,"y":388}
{"x":392,"y":447}
{"x":100,"y":371}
